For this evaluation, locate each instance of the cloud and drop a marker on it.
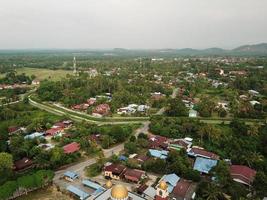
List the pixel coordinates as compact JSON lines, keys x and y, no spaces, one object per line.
{"x":131,"y":23}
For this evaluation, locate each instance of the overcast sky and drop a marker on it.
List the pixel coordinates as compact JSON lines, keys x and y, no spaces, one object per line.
{"x":131,"y":23}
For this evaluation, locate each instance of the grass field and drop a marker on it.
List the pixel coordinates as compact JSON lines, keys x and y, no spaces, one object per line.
{"x":42,"y":74}
{"x":49,"y":193}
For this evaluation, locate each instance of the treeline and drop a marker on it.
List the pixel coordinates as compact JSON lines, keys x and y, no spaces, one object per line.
{"x":242,"y":144}
{"x":13,"y":78}
{"x":76,"y":90}
{"x":25,"y":183}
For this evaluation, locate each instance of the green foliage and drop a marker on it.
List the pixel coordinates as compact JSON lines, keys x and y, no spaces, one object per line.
{"x":260,"y":184}
{"x":8,"y":189}
{"x":176,"y":108}
{"x":6,"y":165}
{"x":50,"y":91}
{"x":205,"y":107}
{"x":6,"y":161}
{"x":94,"y":169}
{"x":35,"y":180}
{"x":130,"y":147}
{"x":12,"y":78}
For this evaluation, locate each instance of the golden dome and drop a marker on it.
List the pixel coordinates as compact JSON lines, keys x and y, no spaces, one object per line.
{"x":119,"y":192}
{"x":108,"y":184}
{"x":163,"y":185}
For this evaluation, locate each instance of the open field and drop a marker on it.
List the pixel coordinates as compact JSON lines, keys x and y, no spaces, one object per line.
{"x":42,"y":74}
{"x":49,"y":193}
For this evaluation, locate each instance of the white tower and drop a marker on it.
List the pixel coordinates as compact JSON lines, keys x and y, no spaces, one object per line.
{"x":74,"y":65}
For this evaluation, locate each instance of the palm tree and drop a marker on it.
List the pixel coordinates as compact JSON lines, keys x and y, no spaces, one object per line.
{"x":212,"y":192}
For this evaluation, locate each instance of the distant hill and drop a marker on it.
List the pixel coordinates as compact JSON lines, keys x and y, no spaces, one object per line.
{"x":255,"y":48}
{"x":245,"y":50}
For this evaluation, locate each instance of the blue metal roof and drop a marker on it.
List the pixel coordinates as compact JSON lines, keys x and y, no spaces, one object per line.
{"x":171,"y":180}
{"x":81,"y":194}
{"x":98,"y":191}
{"x":91,"y":184}
{"x":123,"y":158}
{"x":158,"y":154}
{"x":71,"y":175}
{"x":34,"y":135}
{"x":204,"y":165}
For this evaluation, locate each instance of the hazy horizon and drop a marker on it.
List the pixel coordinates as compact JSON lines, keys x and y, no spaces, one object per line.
{"x":131,"y":24}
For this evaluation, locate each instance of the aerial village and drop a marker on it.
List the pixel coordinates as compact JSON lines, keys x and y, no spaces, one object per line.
{"x":136,"y":133}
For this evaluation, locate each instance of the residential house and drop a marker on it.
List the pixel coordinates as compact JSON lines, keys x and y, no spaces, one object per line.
{"x":23,"y":164}
{"x":157,"y":96}
{"x":134,"y":175}
{"x":142,"y":108}
{"x":192,"y":113}
{"x":157,"y":142}
{"x":178,"y":144}
{"x":71,"y":148}
{"x":204,"y":165}
{"x":35,"y":82}
{"x":34,"y":135}
{"x":15,"y":130}
{"x":253,"y":92}
{"x":91,"y":101}
{"x":184,"y":190}
{"x":70,"y":176}
{"x":200,"y":152}
{"x":53,"y":131}
{"x":101,"y":110}
{"x":114,"y":171}
{"x":242,"y":174}
{"x":162,"y":154}
{"x":253,"y":103}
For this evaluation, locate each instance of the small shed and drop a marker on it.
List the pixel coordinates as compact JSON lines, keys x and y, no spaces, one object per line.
{"x":70,"y":176}
{"x":78,"y":192}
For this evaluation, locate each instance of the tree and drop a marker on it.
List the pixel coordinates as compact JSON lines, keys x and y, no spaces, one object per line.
{"x":118,"y":133}
{"x":6,"y":161}
{"x":130,"y":147}
{"x":221,"y":173}
{"x":212,"y":192}
{"x":57,"y":156}
{"x":222,"y":112}
{"x":176,"y":108}
{"x":260,"y":184}
{"x":205,"y":107}
{"x":6,"y":164}
{"x":8,"y":189}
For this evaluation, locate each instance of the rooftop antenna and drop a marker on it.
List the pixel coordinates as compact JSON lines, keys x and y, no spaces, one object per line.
{"x":74,"y":66}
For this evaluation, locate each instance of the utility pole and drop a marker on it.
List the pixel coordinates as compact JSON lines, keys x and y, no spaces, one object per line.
{"x":74,"y":66}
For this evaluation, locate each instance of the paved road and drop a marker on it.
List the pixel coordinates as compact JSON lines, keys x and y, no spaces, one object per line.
{"x":174,"y":94}
{"x":79,"y":167}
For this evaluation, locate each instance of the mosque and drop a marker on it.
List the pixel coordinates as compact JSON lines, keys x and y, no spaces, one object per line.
{"x":120,"y":192}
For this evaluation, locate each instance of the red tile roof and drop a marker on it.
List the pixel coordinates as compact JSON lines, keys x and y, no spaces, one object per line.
{"x":160,"y":198}
{"x":102,"y":109}
{"x":24,"y":163}
{"x":133,"y":175}
{"x":115,"y":169}
{"x":204,"y":153}
{"x":71,"y":148}
{"x":182,"y":143}
{"x":53,"y":131}
{"x":60,"y":125}
{"x":181,"y":189}
{"x":12,"y":129}
{"x":243,"y":174}
{"x":157,"y":142}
